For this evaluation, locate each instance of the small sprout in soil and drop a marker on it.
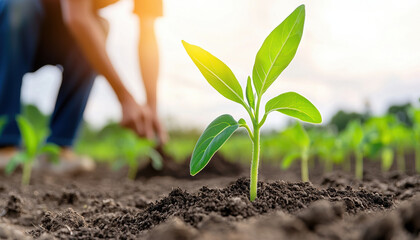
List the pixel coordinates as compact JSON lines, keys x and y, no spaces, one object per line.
{"x":327,"y":147}
{"x":274,"y":56}
{"x":131,"y":149}
{"x":33,"y":146}
{"x":380,"y":139}
{"x":355,"y":134}
{"x":401,"y":139}
{"x":416,"y":126}
{"x":299,"y":138}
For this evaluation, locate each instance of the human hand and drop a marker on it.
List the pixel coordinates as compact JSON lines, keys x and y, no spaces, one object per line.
{"x":142,"y":120}
{"x":158,"y":128}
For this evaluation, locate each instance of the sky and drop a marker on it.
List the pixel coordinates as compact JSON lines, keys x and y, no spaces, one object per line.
{"x":351,"y":53}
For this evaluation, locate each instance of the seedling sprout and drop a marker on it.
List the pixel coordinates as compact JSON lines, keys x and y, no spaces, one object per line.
{"x":354,"y":132}
{"x":131,"y":148}
{"x":274,"y":56}
{"x":33,"y":146}
{"x":416,"y":117}
{"x":299,"y":138}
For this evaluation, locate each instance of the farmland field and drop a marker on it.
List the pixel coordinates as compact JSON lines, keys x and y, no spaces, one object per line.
{"x":339,"y":166}
{"x":173,"y":205}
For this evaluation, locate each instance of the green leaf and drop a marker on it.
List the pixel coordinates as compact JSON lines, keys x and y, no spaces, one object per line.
{"x":212,"y":139}
{"x":355,"y":133}
{"x":288,"y":160}
{"x":216,"y":73}
{"x":52,"y":150}
{"x":373,"y":148}
{"x":387,"y":158}
{"x":157,"y":162}
{"x":14,"y":162}
{"x":29,"y":136}
{"x":416,"y":116}
{"x":294,"y":105}
{"x":297,"y":136}
{"x":37,"y":119}
{"x":278,"y":50}
{"x":250,"y":94}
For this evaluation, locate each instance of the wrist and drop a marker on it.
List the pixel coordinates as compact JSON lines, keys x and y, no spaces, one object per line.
{"x":125,"y":98}
{"x":152,"y":104}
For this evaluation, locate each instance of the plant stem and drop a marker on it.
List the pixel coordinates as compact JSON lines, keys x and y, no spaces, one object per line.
{"x":26,"y":173}
{"x":255,"y":153}
{"x":359,"y":165}
{"x":132,"y":170}
{"x":249,"y":110}
{"x":304,"y":167}
{"x":387,"y":159}
{"x":263,"y":119}
{"x":254,"y":164}
{"x":249,"y":131}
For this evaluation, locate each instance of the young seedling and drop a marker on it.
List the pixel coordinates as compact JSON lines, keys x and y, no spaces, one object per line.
{"x":274,"y":56}
{"x":401,"y":139}
{"x":326,"y":146}
{"x":338,"y":155}
{"x":33,"y":146}
{"x":299,"y":138}
{"x":343,"y":142}
{"x":354,"y":132}
{"x":416,"y":126}
{"x":132,"y":148}
{"x":381,"y":139}
{"x":118,"y":147}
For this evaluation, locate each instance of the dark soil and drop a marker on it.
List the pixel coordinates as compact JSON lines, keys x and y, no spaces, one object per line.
{"x":218,"y":166}
{"x":106,"y":204}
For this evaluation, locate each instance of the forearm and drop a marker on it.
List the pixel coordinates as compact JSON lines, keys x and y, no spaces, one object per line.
{"x":149,"y":60}
{"x":88,"y":32}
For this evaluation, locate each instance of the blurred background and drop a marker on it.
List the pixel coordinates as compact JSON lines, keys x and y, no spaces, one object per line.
{"x":354,"y":55}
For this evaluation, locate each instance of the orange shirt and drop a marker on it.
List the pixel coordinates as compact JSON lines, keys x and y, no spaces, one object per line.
{"x":145,"y":8}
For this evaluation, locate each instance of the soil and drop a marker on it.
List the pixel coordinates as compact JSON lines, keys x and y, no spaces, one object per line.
{"x":169,"y":205}
{"x":220,"y":167}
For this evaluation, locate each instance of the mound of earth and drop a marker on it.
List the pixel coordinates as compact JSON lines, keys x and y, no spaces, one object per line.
{"x":227,"y":205}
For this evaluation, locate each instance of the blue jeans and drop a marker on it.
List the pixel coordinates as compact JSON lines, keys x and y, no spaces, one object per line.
{"x":33,"y":34}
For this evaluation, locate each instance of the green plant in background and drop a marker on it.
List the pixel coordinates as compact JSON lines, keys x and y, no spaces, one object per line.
{"x":99,"y":144}
{"x":325,"y":145}
{"x":234,"y":148}
{"x":131,"y":149}
{"x":270,"y":143}
{"x":274,"y":56}
{"x":401,"y":141}
{"x":344,"y":145}
{"x":338,"y":152}
{"x":119,"y":147}
{"x":179,"y":147}
{"x":300,"y":143}
{"x":354,"y":133}
{"x":415,"y":115}
{"x":381,"y":139}
{"x":33,"y":146}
